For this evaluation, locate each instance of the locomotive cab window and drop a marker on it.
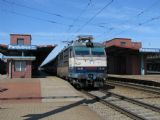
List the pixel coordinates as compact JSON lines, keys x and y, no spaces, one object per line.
{"x":81,"y":51}
{"x":97,"y":51}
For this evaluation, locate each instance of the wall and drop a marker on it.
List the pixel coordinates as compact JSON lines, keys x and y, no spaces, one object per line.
{"x":133,"y":64}
{"x":128,"y":43}
{"x":21,"y":74}
{"x":129,"y":64}
{"x":13,"y":39}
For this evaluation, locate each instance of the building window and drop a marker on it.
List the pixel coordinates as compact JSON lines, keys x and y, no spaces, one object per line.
{"x":123,"y":43}
{"x":20,"y":41}
{"x":20,"y":65}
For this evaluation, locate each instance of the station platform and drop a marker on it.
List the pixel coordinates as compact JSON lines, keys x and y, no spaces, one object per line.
{"x":150,"y":78}
{"x":46,"y":89}
{"x":47,"y":111}
{"x":48,"y":98}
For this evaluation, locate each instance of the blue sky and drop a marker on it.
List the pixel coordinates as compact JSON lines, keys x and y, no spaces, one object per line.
{"x":49,"y":21}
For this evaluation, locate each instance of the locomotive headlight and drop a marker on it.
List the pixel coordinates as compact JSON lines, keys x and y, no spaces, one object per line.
{"x":101,"y":68}
{"x":79,"y":68}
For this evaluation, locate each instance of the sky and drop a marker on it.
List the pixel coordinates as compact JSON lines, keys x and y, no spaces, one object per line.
{"x":55,"y":21}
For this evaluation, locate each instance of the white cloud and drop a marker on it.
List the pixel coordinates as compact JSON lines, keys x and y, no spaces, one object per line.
{"x":4,"y":34}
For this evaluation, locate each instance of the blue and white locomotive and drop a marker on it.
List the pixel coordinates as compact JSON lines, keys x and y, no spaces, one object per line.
{"x":83,"y":63}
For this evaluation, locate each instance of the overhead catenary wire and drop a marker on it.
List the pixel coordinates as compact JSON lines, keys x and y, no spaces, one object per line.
{"x":149,"y":20}
{"x":140,"y":24}
{"x":36,"y":9}
{"x":81,"y":13}
{"x":95,"y":15}
{"x":140,"y":14}
{"x":33,"y":17}
{"x":147,"y":9}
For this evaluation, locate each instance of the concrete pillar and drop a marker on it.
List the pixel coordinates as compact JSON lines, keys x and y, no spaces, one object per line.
{"x":142,"y":65}
{"x":22,"y":53}
{"x":10,"y":69}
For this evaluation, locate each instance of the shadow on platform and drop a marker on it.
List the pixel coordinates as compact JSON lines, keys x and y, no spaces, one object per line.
{"x":39,"y":74}
{"x":58,"y":110}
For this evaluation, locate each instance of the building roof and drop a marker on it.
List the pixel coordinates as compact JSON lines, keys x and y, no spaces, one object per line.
{"x":20,"y":34}
{"x":40,"y":53}
{"x":123,"y":43}
{"x":128,"y":39}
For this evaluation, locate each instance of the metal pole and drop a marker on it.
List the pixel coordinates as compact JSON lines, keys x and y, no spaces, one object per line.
{"x":142,"y":64}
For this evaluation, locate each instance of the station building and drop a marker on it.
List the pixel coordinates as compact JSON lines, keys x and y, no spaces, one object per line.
{"x":20,"y":58}
{"x":127,"y":57}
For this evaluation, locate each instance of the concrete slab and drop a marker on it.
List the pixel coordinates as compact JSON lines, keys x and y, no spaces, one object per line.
{"x":20,"y":90}
{"x":54,"y":99}
{"x":47,"y":111}
{"x":56,"y":89}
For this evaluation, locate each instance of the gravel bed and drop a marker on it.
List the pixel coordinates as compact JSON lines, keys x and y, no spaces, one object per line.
{"x":106,"y":112}
{"x":142,"y":96}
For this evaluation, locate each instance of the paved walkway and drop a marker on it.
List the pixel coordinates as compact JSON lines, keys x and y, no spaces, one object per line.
{"x":20,"y":90}
{"x":47,"y":111}
{"x":56,"y":89}
{"x":49,"y":98}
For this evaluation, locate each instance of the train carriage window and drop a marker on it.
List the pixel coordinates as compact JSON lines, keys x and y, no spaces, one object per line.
{"x":97,"y":51}
{"x":81,"y":51}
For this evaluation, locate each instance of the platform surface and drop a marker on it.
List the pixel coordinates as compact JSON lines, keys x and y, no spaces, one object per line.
{"x":155,"y":78}
{"x":59,"y":89}
{"x":47,"y":111}
{"x":47,"y":98}
{"x":47,"y":89}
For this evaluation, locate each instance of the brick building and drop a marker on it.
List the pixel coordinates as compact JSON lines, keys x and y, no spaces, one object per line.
{"x":123,"y":56}
{"x":22,"y":57}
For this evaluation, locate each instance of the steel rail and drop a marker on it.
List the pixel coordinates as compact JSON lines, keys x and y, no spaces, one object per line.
{"x":145,"y":105}
{"x":140,"y":87}
{"x":116,"y":107}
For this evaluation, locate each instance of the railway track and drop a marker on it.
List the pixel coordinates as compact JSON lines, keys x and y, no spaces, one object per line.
{"x":155,"y":90}
{"x":144,"y":95}
{"x":134,"y":109}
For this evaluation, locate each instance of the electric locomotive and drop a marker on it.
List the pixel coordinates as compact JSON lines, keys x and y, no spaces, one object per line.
{"x":83,"y":63}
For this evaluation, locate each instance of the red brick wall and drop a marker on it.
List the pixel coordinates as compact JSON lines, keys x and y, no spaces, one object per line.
{"x":128,"y":43}
{"x":22,"y":74}
{"x":13,"y":39}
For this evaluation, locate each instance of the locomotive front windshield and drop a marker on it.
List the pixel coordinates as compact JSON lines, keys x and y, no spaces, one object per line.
{"x":82,"y":51}
{"x":97,"y":51}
